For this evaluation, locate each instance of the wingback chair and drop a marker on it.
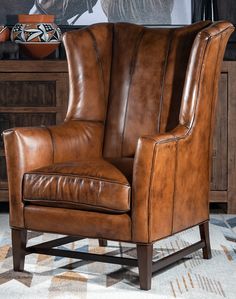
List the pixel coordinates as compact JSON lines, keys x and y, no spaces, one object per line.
{"x":131,"y":162}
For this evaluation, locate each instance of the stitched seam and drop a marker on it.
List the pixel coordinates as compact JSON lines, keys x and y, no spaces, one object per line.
{"x":171,"y":139}
{"x":175,"y":179}
{"x":199,"y":84}
{"x":129,"y":197}
{"x":86,"y":120}
{"x":110,"y":83}
{"x":132,"y":69}
{"x":164,"y":71}
{"x":73,"y":203}
{"x":99,"y":61}
{"x":218,"y":33}
{"x":149,"y":191}
{"x":79,"y":177}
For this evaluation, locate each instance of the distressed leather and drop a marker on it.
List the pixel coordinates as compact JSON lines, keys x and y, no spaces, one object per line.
{"x":142,"y":99}
{"x":176,"y":165}
{"x":85,"y":185}
{"x":78,"y":223}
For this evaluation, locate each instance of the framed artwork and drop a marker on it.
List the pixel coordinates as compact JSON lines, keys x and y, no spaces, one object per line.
{"x":85,"y":12}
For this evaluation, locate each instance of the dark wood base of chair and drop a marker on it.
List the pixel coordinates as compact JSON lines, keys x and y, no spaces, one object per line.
{"x":19,"y":238}
{"x":204,"y":234}
{"x":144,"y":253}
{"x":102,"y":242}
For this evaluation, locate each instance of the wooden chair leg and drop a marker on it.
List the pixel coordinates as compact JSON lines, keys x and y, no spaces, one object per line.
{"x":204,"y":233}
{"x":144,"y":254}
{"x":19,"y":237}
{"x":102,"y":242}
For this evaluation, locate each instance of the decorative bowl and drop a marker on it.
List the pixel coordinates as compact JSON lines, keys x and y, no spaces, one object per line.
{"x":4,"y":33}
{"x":36,"y":18}
{"x":35,"y":38}
{"x":38,"y":50}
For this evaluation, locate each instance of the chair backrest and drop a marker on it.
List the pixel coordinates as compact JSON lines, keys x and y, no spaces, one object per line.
{"x":132,"y":79}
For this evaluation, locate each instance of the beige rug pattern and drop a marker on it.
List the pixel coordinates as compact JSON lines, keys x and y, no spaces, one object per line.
{"x":56,"y":277}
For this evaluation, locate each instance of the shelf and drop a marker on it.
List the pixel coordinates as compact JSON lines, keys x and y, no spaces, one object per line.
{"x":33,"y":66}
{"x":218,"y":196}
{"x":3,"y":185}
{"x":4,"y":195}
{"x":31,"y":109}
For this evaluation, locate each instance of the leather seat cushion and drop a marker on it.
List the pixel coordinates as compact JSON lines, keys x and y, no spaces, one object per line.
{"x":93,"y":185}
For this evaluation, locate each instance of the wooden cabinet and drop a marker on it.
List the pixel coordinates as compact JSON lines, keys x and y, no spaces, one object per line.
{"x":36,"y":92}
{"x":223,"y":182}
{"x":32,"y":93}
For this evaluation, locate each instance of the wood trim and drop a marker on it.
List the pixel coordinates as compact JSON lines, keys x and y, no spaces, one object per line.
{"x":27,"y":76}
{"x":33,"y":66}
{"x":204,"y":234}
{"x":156,"y":266}
{"x":218,"y":196}
{"x":3,"y":185}
{"x":19,"y":239}
{"x":59,"y":242}
{"x":83,"y":256}
{"x":31,"y":109}
{"x":4,"y":195}
{"x":231,"y":68}
{"x":176,"y":256}
{"x":144,"y":253}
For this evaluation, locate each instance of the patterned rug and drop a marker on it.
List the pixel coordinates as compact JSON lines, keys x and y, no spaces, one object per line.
{"x":54,"y":277}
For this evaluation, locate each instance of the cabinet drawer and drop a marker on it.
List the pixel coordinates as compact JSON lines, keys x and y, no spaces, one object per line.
{"x":28,"y":93}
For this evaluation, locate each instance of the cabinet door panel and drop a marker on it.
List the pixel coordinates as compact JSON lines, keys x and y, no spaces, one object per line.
{"x":28,"y":93}
{"x":3,"y":172}
{"x":219,"y":180}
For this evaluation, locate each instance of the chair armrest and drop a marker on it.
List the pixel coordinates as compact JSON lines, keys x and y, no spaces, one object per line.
{"x":154,"y":185}
{"x":25,"y":149}
{"x":31,"y":148}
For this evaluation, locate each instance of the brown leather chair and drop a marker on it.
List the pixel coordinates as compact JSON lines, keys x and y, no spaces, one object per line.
{"x":131,"y":162}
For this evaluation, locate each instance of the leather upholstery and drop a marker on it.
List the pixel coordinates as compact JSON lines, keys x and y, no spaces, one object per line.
{"x":181,"y":192}
{"x":31,"y":148}
{"x":78,"y":223}
{"x":85,"y":185}
{"x":165,"y":52}
{"x":142,"y":99}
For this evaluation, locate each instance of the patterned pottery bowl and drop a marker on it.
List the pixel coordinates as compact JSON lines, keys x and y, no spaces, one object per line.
{"x":38,"y":50}
{"x":4,"y":33}
{"x":36,"y":39}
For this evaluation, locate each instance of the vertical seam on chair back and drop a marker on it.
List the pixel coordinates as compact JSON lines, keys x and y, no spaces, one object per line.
{"x":175,"y":178}
{"x":131,"y":72}
{"x":164,"y":78}
{"x":98,"y":56}
{"x":110,"y":82}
